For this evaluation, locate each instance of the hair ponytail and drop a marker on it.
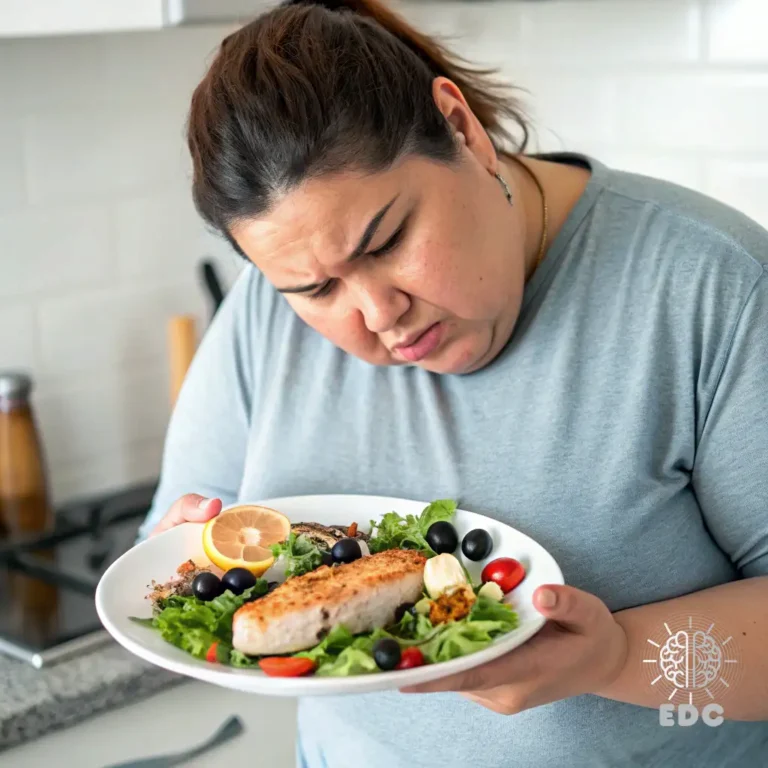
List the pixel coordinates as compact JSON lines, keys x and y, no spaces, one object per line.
{"x":490,"y":101}
{"x":308,"y":89}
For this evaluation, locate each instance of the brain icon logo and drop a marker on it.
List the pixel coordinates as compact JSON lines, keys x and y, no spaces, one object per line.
{"x":691,"y":659}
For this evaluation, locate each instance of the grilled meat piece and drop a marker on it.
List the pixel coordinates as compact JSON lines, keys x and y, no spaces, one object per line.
{"x":325,"y":536}
{"x":362,"y":595}
{"x":181,"y":585}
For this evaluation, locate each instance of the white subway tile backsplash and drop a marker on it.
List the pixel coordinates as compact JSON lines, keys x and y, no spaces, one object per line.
{"x":61,"y":73}
{"x":140,"y":70}
{"x":11,"y":83}
{"x":433,"y":18}
{"x":57,"y":250}
{"x":158,"y":235}
{"x":12,"y":193}
{"x":85,"y":156}
{"x":571,"y":34}
{"x":741,"y":184}
{"x":484,"y":30}
{"x":695,"y":111}
{"x":81,"y":420}
{"x":570,"y":111}
{"x":18,"y":337}
{"x":737,"y":31}
{"x":125,"y":465}
{"x":686,"y":171}
{"x":115,"y":328}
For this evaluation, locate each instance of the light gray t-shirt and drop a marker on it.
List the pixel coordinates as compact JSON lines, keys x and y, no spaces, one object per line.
{"x":624,"y":426}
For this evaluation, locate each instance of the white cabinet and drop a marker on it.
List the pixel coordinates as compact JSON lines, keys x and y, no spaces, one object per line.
{"x":30,"y":18}
{"x":35,"y":18}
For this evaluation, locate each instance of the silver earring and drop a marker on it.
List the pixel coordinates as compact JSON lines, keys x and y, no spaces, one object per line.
{"x":505,"y":187}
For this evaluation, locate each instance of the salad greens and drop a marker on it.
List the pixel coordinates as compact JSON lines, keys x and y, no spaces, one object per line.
{"x":198,"y":627}
{"x":396,"y":532}
{"x":341,"y":654}
{"x":195,"y":626}
{"x":301,"y":555}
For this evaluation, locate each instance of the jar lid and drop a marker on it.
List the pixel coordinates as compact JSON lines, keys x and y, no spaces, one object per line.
{"x":15,"y":385}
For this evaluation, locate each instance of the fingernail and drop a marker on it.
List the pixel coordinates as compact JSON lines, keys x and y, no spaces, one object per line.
{"x":203,"y":503}
{"x":547,"y":598}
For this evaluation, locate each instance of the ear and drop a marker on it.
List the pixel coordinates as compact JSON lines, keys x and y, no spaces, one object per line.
{"x":451,"y":102}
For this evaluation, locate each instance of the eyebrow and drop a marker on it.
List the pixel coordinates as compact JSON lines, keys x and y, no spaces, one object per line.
{"x":358,"y":251}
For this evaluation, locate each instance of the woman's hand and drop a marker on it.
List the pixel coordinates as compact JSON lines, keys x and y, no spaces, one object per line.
{"x":190,"y":508}
{"x":581,"y":649}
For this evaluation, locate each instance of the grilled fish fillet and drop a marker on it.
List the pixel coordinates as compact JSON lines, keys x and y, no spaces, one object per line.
{"x":362,"y":595}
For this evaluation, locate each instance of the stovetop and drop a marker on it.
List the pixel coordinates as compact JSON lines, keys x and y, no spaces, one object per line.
{"x":48,"y":582}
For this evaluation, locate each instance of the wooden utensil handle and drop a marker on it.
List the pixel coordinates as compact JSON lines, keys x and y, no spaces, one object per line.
{"x":182,"y":344}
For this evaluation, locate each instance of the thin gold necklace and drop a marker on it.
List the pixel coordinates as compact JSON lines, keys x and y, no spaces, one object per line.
{"x":544,"y":210}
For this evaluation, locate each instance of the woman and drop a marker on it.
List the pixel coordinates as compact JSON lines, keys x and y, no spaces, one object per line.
{"x":430,"y":313}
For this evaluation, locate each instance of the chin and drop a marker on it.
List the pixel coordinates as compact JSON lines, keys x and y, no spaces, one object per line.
{"x":461,"y":356}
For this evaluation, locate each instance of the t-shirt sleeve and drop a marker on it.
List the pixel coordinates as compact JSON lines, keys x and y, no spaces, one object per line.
{"x":730,"y":474}
{"x":206,"y":441}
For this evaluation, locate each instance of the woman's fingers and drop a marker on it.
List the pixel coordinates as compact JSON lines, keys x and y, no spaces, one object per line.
{"x":190,"y":508}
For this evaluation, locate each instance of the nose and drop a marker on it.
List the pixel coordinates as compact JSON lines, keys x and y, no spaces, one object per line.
{"x":380,"y":305}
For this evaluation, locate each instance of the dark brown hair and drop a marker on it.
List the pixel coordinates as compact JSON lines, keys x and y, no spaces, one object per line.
{"x":307,"y":89}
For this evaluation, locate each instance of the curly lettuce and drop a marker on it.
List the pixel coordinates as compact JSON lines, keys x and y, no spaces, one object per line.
{"x":394,"y":531}
{"x":195,"y":626}
{"x":300,"y":554}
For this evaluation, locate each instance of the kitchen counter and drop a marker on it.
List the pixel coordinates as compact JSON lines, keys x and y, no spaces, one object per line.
{"x":34,"y":702}
{"x":172,"y":720}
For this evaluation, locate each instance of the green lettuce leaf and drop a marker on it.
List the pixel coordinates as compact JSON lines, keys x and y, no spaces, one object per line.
{"x":326,"y":651}
{"x":194,"y":625}
{"x":341,"y":653}
{"x":396,"y":532}
{"x":238,"y":659}
{"x":300,"y":554}
{"x":485,"y":609}
{"x":487,"y":620}
{"x":351,"y":661}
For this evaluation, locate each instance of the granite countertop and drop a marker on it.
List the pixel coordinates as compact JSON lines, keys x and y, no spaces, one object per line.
{"x":36,"y":701}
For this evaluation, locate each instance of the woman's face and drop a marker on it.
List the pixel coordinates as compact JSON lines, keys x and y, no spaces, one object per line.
{"x":420,"y":265}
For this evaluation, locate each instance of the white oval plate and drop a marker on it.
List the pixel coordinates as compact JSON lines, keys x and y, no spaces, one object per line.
{"x":122,"y":589}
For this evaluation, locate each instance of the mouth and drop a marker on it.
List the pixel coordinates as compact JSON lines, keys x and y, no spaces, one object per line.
{"x":420,"y":345}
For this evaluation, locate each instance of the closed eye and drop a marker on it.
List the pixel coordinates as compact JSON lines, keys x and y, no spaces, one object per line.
{"x":323,"y":290}
{"x":389,"y":246}
{"x":393,"y":241}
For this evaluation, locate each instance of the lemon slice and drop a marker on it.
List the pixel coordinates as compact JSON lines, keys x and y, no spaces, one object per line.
{"x":241,"y":537}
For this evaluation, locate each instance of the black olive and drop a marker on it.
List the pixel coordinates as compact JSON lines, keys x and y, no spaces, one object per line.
{"x":346,"y":551}
{"x":237,"y":580}
{"x":327,"y":558}
{"x":386,"y":653}
{"x":402,"y":609}
{"x":442,"y":537}
{"x":207,"y":586}
{"x":477,"y":544}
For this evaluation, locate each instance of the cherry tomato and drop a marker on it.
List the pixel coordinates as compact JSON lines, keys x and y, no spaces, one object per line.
{"x":211,"y":653}
{"x":286,"y":666}
{"x":410,"y":657}
{"x":505,"y":571}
